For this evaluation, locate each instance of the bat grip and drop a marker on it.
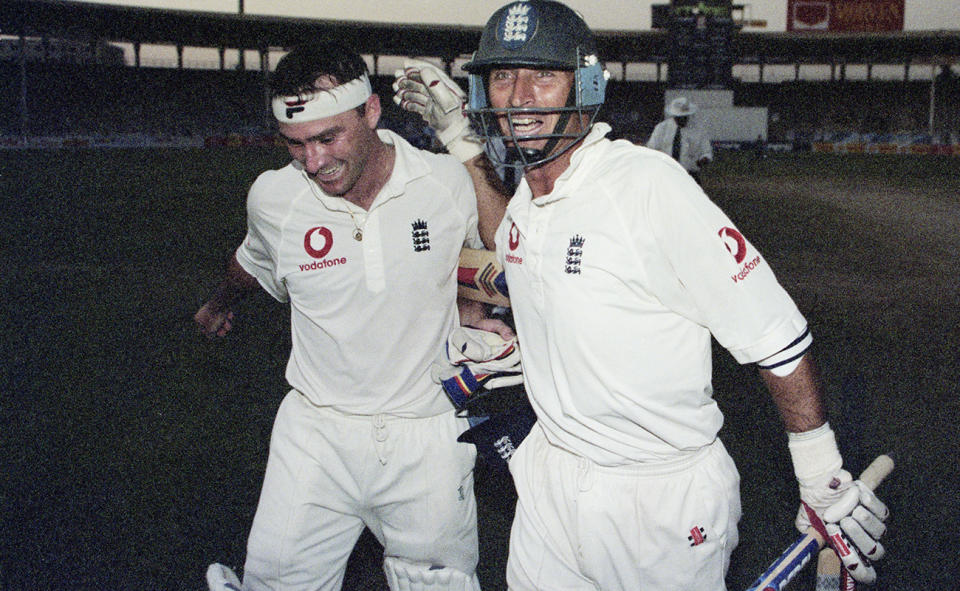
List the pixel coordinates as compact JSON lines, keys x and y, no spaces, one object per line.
{"x":878,"y":469}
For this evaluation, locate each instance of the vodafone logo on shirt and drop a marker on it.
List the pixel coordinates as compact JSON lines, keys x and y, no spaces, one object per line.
{"x":737,"y":245}
{"x":513,"y":242}
{"x":317,"y":243}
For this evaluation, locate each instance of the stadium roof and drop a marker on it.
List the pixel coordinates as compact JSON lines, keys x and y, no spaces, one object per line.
{"x":92,"y":22}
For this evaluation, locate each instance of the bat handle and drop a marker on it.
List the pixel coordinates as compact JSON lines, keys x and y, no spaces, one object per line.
{"x":878,"y":469}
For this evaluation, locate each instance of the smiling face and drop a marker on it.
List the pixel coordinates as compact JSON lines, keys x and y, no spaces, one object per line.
{"x":334,"y":151}
{"x":521,"y":88}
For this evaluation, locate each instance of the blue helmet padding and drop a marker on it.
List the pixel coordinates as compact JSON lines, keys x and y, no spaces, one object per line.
{"x":477,"y":92}
{"x":592,"y":84}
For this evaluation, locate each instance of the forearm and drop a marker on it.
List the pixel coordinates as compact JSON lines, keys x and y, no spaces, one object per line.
{"x":471,"y":312}
{"x":236,"y":284}
{"x":492,"y":197}
{"x":798,"y":396}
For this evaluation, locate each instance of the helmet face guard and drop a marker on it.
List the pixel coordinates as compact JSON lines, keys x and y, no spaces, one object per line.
{"x":536,"y":34}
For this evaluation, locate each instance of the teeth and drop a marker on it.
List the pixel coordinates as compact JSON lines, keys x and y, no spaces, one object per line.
{"x":329,"y":171}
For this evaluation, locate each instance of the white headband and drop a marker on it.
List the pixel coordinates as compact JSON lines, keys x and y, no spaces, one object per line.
{"x":322,"y":103}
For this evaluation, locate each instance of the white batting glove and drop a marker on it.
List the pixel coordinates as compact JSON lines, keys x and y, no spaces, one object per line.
{"x":855,"y":524}
{"x":423,"y":88}
{"x":482,"y":349}
{"x":851,"y":513}
{"x":475,"y":360}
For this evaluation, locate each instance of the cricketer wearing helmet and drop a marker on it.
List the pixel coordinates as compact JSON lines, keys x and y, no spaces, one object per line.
{"x":620,"y":271}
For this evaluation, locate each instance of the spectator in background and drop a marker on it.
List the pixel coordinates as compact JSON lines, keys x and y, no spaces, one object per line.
{"x":688,"y":144}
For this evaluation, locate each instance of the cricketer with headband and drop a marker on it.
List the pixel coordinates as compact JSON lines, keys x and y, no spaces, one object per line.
{"x":620,"y":271}
{"x":361,"y":235}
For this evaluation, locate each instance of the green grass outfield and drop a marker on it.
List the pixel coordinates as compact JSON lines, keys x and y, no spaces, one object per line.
{"x":132,"y":449}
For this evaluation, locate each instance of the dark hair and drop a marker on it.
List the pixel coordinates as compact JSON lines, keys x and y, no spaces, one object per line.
{"x":298,"y":71}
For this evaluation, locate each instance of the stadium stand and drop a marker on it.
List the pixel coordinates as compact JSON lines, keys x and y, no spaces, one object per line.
{"x":74,"y":99}
{"x":47,"y":94}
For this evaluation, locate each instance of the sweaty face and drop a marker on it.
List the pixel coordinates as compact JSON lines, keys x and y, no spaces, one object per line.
{"x":333,"y":150}
{"x":524,"y":88}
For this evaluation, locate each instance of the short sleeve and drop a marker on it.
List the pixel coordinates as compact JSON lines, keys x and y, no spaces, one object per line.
{"x":720,"y":279}
{"x":258,"y":252}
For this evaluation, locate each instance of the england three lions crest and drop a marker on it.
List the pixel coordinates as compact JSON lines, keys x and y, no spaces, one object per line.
{"x":574,"y":255}
{"x":421,"y":236}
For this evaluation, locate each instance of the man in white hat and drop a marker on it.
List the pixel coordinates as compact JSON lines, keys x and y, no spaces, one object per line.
{"x":689,"y":145}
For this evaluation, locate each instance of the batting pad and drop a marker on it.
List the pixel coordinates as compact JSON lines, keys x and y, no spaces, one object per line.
{"x":404,"y":575}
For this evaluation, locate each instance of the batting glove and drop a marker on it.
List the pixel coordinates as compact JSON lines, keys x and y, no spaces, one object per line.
{"x":423,"y":88}
{"x":846,"y":512}
{"x":498,"y":436}
{"x":475,"y":360}
{"x":855,"y":524}
{"x":221,"y":578}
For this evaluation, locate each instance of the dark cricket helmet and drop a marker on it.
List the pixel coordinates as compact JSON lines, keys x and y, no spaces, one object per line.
{"x":536,"y":34}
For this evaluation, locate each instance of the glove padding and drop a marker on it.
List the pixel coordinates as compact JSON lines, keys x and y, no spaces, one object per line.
{"x":846,"y":512}
{"x":854,"y":525}
{"x":476,"y":360}
{"x":423,"y":88}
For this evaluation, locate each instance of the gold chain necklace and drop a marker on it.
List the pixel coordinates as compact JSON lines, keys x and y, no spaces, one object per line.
{"x":357,"y":226}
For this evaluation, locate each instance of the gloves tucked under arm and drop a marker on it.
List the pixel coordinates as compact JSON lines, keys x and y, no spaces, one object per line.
{"x":475,"y":360}
{"x":852,"y":516}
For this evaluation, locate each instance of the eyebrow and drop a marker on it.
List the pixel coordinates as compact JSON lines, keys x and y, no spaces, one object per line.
{"x":326,"y":133}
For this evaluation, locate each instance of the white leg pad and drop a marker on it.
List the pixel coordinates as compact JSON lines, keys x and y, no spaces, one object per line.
{"x":404,"y":575}
{"x":221,"y":578}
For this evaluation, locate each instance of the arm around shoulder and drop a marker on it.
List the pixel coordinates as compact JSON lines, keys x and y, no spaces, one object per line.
{"x":492,"y":197}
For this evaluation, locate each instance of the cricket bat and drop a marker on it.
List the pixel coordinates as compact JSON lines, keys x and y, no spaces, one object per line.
{"x":480,"y":277}
{"x":783,"y":569}
{"x":830,"y":573}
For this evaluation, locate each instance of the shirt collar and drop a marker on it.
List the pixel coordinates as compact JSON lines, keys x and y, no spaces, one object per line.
{"x":565,"y":183}
{"x":407,"y":167}
{"x":597,"y":133}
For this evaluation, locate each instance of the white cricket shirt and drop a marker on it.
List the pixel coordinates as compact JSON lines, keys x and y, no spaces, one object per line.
{"x":368,"y":317}
{"x":617,"y":280}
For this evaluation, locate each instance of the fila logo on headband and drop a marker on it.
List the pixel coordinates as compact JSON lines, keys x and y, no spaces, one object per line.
{"x":320,"y":104}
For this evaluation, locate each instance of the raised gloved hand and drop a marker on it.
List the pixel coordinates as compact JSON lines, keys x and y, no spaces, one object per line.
{"x":476,"y":359}
{"x":423,"y":88}
{"x":848,"y":513}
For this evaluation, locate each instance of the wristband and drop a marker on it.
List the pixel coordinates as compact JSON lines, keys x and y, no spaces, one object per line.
{"x":461,"y":143}
{"x":814,"y":454}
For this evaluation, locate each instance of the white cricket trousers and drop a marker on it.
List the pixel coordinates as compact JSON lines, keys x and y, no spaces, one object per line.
{"x":329,"y":474}
{"x":579,"y":526}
